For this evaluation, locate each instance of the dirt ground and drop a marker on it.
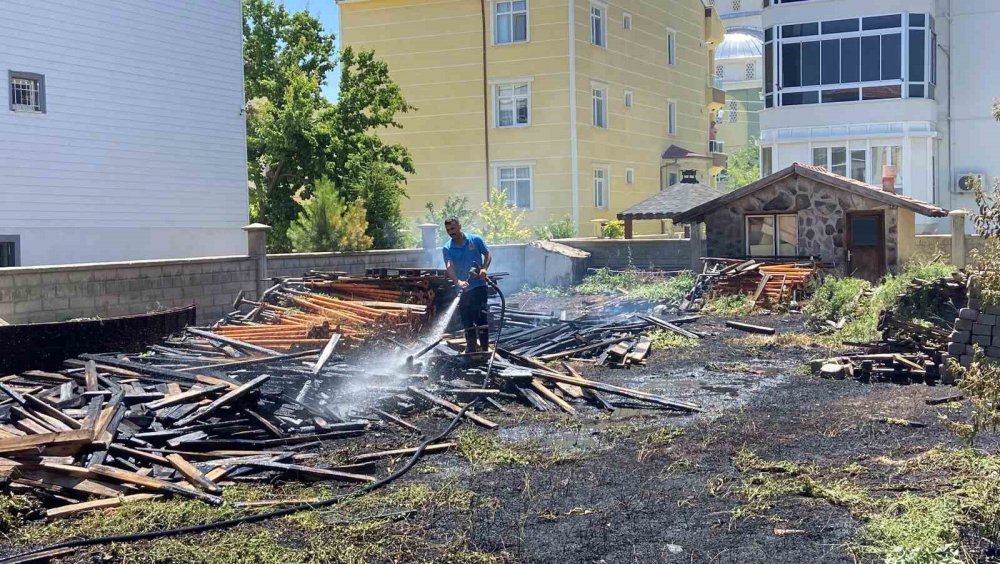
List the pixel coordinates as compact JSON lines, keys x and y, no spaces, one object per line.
{"x":641,"y":485}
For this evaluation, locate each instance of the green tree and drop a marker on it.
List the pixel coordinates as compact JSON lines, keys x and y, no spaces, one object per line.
{"x":361,"y":162}
{"x":501,"y":221}
{"x":295,"y":136}
{"x":327,"y":224}
{"x":453,"y":207}
{"x":556,"y":229}
{"x":744,"y":165}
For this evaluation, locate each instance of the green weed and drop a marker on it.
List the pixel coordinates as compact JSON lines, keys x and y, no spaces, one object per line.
{"x":637,"y":285}
{"x":663,"y":339}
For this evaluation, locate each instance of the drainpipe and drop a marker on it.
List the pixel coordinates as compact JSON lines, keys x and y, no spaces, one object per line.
{"x":486,"y":101}
{"x":573,"y":145}
{"x":951,"y":47}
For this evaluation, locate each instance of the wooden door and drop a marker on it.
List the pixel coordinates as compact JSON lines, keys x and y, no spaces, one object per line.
{"x":866,"y":245}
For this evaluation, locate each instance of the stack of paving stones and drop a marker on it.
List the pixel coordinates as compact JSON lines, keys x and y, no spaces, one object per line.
{"x":976,"y":326}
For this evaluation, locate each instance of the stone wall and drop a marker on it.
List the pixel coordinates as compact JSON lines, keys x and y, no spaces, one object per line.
{"x":821,"y":213}
{"x":647,"y":254}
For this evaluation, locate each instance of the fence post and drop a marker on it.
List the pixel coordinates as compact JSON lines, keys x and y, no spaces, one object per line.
{"x":257,"y":251}
{"x":696,"y":247}
{"x":958,"y":237}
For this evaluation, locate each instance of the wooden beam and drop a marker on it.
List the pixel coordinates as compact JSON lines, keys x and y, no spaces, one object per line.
{"x":67,"y":510}
{"x":227,"y":399}
{"x":192,"y":474}
{"x":447,"y":405}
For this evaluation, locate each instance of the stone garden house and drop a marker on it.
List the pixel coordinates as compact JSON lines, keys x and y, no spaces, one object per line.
{"x":805,"y":211}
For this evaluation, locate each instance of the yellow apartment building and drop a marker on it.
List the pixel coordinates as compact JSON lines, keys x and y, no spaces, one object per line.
{"x":568,"y":106}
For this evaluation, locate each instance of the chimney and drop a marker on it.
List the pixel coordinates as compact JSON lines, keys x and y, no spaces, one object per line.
{"x":889,"y":179}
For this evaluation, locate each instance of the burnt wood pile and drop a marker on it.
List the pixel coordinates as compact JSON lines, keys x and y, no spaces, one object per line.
{"x":765,"y":282}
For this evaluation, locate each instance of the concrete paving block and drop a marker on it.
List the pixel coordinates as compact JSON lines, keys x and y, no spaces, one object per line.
{"x":956,"y":349}
{"x":970,"y":349}
{"x":968,"y":313}
{"x":961,"y":336}
{"x":992,"y":310}
{"x":986,"y":319}
{"x":982,"y":340}
{"x":965,"y":360}
{"x":964,"y":324}
{"x":980,"y":329}
{"x":993,"y":352}
{"x":975,"y":303}
{"x":996,"y":339}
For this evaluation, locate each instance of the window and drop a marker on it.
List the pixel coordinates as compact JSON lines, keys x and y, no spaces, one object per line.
{"x":513,"y":105}
{"x":772,"y":235}
{"x":766,"y":165}
{"x":10,"y":250}
{"x":733,"y":111}
{"x":515,"y":182}
{"x":598,"y":32}
{"x":720,"y":71}
{"x":671,"y":47}
{"x":833,"y":159}
{"x":511,"y":25}
{"x":629,"y":99}
{"x":600,"y":94}
{"x":751,"y":72}
{"x":672,"y":117}
{"x":629,"y":176}
{"x":847,"y":60}
{"x":887,"y":155}
{"x":858,"y":161}
{"x":600,"y":187}
{"x":627,"y":21}
{"x":27,"y":92}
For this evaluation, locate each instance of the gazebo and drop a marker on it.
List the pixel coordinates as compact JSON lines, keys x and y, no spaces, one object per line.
{"x":666,"y":204}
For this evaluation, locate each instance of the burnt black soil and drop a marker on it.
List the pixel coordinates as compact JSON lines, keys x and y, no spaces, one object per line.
{"x":615,"y":499}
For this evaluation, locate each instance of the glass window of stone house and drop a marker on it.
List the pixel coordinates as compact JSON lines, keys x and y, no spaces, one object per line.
{"x":772,"y":235}
{"x":849,"y":60}
{"x":511,"y":21}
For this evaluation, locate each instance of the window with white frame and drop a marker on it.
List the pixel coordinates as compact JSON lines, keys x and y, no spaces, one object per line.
{"x":510,"y":21}
{"x":629,"y":176}
{"x":720,"y":71}
{"x":766,"y":164}
{"x":598,"y":29}
{"x":515,"y":181}
{"x":629,"y":99}
{"x":600,"y":187}
{"x":627,"y":21}
{"x":27,"y":92}
{"x":751,"y":72}
{"x":672,"y":117}
{"x":772,"y":235}
{"x":513,"y":104}
{"x":600,"y":95}
{"x":887,"y":155}
{"x":734,"y":110}
{"x":671,"y":47}
{"x":839,"y":160}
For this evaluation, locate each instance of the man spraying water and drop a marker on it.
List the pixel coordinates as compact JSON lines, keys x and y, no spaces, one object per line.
{"x":463,"y":255}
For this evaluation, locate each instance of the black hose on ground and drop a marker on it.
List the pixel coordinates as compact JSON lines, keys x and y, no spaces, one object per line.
{"x":40,"y":553}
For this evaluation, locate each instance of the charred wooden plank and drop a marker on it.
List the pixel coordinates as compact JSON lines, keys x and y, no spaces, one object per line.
{"x":751,"y":328}
{"x":227,"y":399}
{"x":431,"y":449}
{"x":82,"y":507}
{"x":447,"y":405}
{"x":192,"y":474}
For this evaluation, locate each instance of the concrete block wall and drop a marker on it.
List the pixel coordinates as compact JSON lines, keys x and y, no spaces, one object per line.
{"x":56,"y":293}
{"x":648,"y":254}
{"x":928,"y":246}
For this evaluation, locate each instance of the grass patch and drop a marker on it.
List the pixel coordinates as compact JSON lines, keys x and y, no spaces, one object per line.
{"x":663,"y":339}
{"x":761,"y":343}
{"x":358,"y":530}
{"x":487,"y":450}
{"x":960,"y":496}
{"x":833,"y":300}
{"x":731,"y":305}
{"x":637,"y":285}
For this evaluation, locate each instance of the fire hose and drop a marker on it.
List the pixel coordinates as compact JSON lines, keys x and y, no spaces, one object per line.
{"x":55,"y":549}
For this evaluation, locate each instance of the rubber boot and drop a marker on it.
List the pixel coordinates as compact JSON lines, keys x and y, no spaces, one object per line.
{"x":484,"y":339}
{"x":470,"y":341}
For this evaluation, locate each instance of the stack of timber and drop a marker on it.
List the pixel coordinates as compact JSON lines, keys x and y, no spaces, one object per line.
{"x":292,"y":315}
{"x":766,"y":282}
{"x":618,"y":342}
{"x":186,"y":418}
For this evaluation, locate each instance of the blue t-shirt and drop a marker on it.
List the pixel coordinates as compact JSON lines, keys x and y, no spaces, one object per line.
{"x":462,"y":257}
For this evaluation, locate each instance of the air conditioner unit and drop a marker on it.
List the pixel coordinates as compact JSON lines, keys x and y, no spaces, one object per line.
{"x":966,"y":183}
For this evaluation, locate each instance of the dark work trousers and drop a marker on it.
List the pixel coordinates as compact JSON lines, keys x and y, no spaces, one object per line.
{"x":472,"y":309}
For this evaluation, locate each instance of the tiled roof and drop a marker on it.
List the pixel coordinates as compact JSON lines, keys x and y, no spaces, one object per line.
{"x":819,"y":175}
{"x":668,"y":203}
{"x":678,"y":152}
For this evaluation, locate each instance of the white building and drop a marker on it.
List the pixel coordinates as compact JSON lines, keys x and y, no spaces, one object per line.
{"x":123,"y":135}
{"x":853,"y":85}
